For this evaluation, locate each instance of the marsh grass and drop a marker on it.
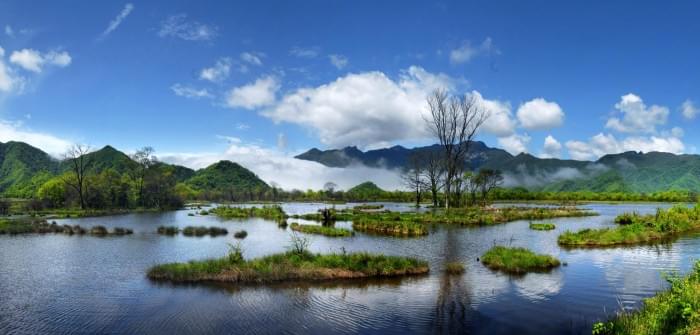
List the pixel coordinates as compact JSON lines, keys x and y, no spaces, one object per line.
{"x":454,"y":268}
{"x":542,"y":226}
{"x":168,"y":230}
{"x":674,"y":311}
{"x":634,"y":228}
{"x":389,"y":224}
{"x":288,"y":266}
{"x":517,"y":260}
{"x":203,"y":231}
{"x":322,"y":230}
{"x":240,"y":234}
{"x":266,"y":212}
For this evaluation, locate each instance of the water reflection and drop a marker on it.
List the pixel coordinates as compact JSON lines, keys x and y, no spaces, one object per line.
{"x":57,"y":283}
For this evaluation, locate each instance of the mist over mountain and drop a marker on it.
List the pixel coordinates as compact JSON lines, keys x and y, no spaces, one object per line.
{"x":624,"y":172}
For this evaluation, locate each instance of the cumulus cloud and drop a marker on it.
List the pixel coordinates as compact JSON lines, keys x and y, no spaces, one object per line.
{"x":689,"y":110}
{"x":636,"y":116}
{"x":467,"y":52}
{"x":118,"y":20}
{"x":339,"y":61}
{"x":552,"y":148}
{"x":540,"y":114}
{"x":9,"y":82}
{"x":261,"y":93}
{"x":603,"y":144}
{"x":272,"y":165}
{"x":305,"y":52}
{"x":179,"y":27}
{"x":190,"y":92}
{"x":514,"y":144}
{"x":500,"y":120}
{"x":362,"y":108}
{"x":34,"y":61}
{"x":15,"y":131}
{"x":218,"y":72}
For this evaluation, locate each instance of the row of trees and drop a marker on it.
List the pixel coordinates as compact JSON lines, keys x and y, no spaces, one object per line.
{"x":148,"y":184}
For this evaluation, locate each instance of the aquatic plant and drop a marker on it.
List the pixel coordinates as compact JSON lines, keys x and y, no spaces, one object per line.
{"x":517,"y":260}
{"x":203,"y":231}
{"x":168,"y":230}
{"x":454,"y":268}
{"x":240,"y":234}
{"x":321,"y":230}
{"x":542,"y":226}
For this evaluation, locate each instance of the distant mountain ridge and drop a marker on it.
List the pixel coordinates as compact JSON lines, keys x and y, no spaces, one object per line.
{"x":24,"y":168}
{"x":623,"y":172}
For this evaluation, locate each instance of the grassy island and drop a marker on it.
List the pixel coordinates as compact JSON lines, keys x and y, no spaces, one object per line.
{"x":16,"y":227}
{"x":517,"y":260}
{"x":634,"y":228}
{"x":203,"y":231}
{"x":266,"y":212}
{"x":542,"y":226}
{"x":321,"y":230}
{"x":389,"y":226}
{"x":289,"y":266}
{"x":674,"y":311}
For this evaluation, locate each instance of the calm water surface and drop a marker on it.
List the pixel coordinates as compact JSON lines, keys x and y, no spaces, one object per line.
{"x":72,"y":284}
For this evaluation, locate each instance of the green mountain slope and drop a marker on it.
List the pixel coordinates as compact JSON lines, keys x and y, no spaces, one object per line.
{"x":23,"y":168}
{"x":226,"y":178}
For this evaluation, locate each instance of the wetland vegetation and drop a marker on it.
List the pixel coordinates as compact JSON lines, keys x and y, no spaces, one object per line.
{"x":321,"y":230}
{"x":517,"y":260}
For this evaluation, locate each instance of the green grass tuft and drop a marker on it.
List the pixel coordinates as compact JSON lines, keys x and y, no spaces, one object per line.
{"x":517,"y":260}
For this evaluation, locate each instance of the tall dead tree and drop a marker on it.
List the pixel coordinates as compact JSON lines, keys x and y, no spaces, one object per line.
{"x":413,"y":177}
{"x":76,"y":158}
{"x":454,"y":121}
{"x":434,"y":171}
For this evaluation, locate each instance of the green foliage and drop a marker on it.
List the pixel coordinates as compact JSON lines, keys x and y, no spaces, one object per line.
{"x":321,"y":230}
{"x":23,"y":169}
{"x":366,"y":191}
{"x":266,"y":212}
{"x":675,"y":311}
{"x":226,"y":180}
{"x":517,"y":260}
{"x":542,"y":226}
{"x":291,"y":265}
{"x":636,"y":229}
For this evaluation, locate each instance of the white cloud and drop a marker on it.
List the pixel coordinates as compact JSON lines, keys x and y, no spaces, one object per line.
{"x":514,"y":144}
{"x":500,"y":120}
{"x":118,"y":20}
{"x":8,"y":82}
{"x":15,"y":131}
{"x":272,"y":165}
{"x":261,"y":93}
{"x":252,"y":58}
{"x":339,"y":61}
{"x":363,"y":108}
{"x":34,"y":61}
{"x":467,"y":52}
{"x":9,"y":31}
{"x":218,"y":72}
{"x":540,"y":114}
{"x":281,"y":142}
{"x":637,"y":118}
{"x":603,"y":144}
{"x":190,"y":92}
{"x":178,"y":26}
{"x":310,"y":52}
{"x":689,"y":110}
{"x":552,"y":148}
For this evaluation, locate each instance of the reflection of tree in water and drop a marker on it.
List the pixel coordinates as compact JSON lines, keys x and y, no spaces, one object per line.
{"x":453,"y":299}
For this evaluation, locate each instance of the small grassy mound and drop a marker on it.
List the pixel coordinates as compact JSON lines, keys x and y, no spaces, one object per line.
{"x":368,"y":207}
{"x":389,"y":225}
{"x":321,"y":230}
{"x":168,"y":230}
{"x":675,"y":311}
{"x":289,"y":266}
{"x":203,"y":231}
{"x":240,"y":234}
{"x":517,"y":260}
{"x":266,"y":212}
{"x":454,"y":268}
{"x":638,"y":229}
{"x":15,"y":227}
{"x":542,"y":226}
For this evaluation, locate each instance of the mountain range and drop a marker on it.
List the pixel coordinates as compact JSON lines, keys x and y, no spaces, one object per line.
{"x":24,"y":168}
{"x":624,"y":172}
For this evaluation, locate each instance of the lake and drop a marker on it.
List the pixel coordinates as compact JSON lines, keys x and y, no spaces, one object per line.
{"x":84,"y":284}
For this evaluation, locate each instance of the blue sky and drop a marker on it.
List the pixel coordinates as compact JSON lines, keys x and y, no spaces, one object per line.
{"x":561,"y":79}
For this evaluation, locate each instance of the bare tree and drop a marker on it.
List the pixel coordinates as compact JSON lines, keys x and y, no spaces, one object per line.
{"x":330,"y":187}
{"x":76,"y":157}
{"x":413,"y":177}
{"x":434,"y":171}
{"x":454,"y":121}
{"x":145,"y":159}
{"x":471,"y":187}
{"x":488,"y":180}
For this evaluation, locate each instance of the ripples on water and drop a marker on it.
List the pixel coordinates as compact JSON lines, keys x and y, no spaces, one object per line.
{"x":84,"y":284}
